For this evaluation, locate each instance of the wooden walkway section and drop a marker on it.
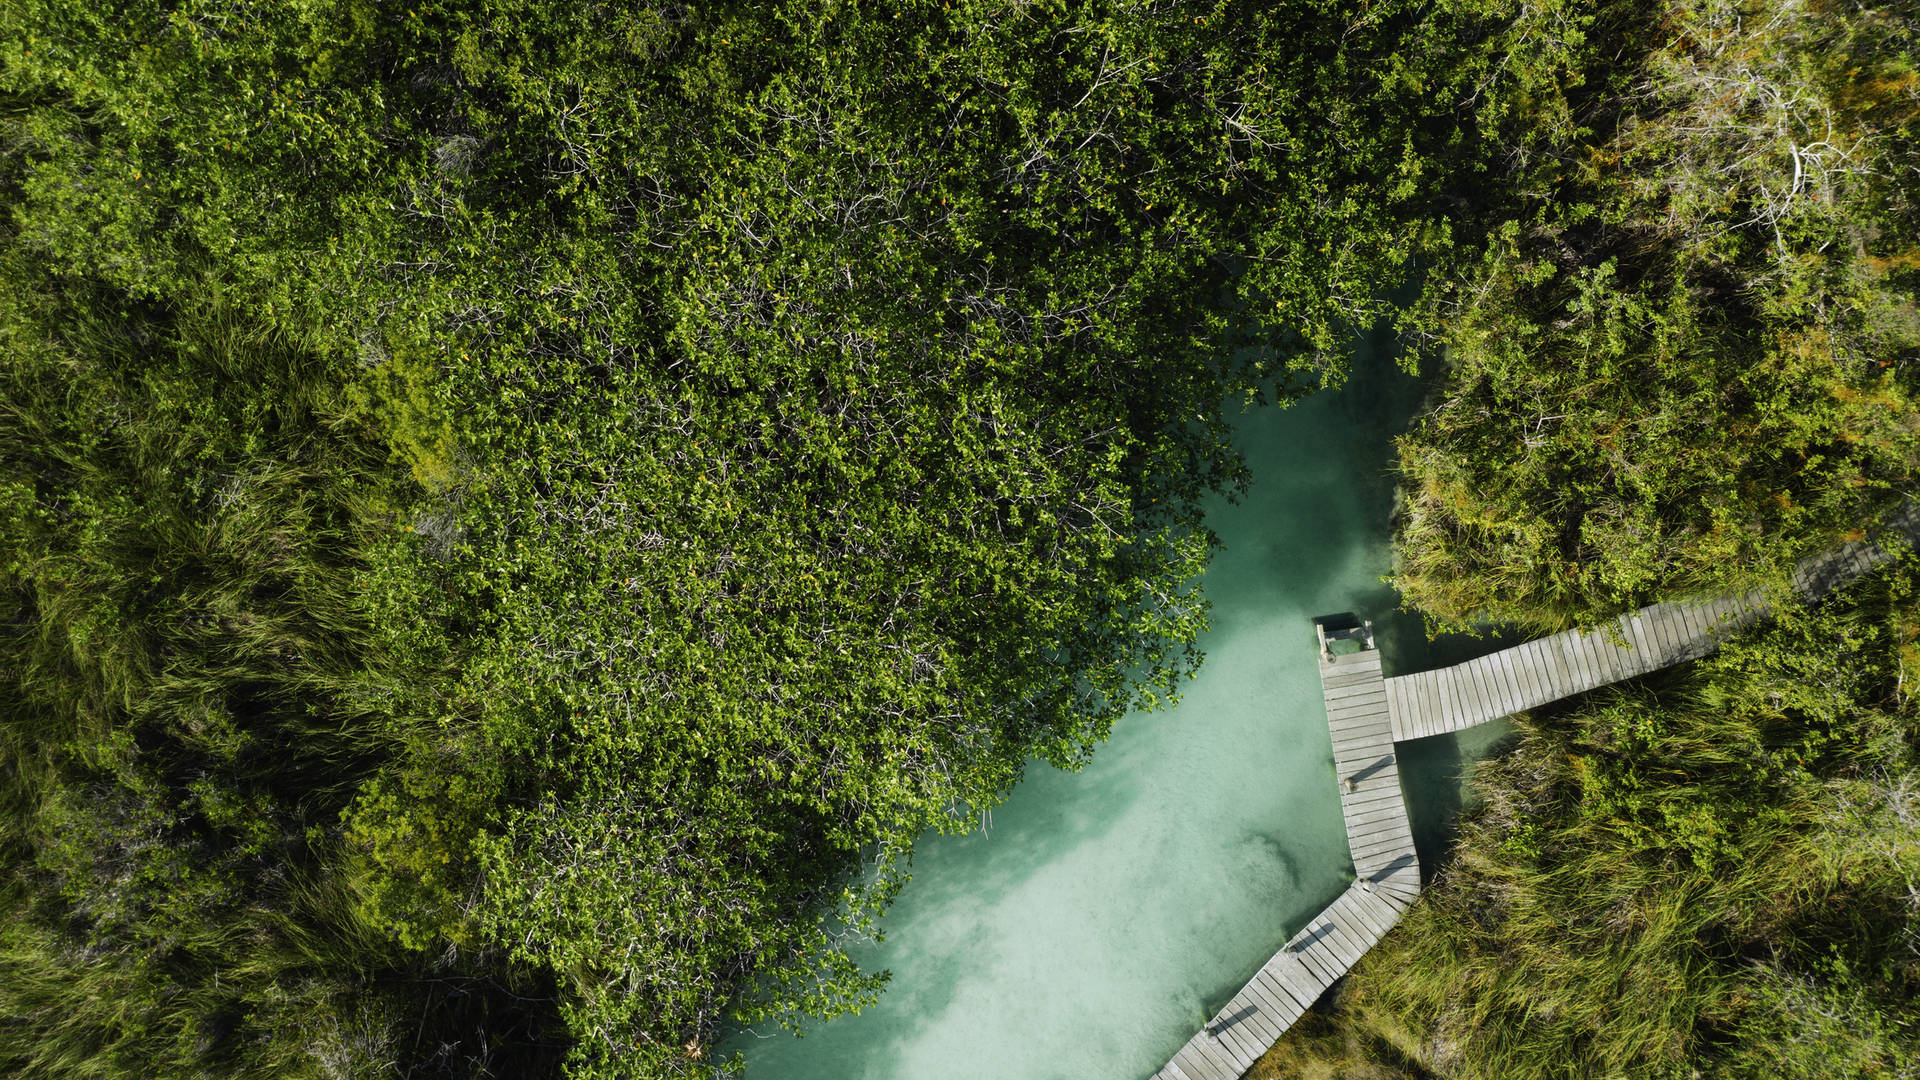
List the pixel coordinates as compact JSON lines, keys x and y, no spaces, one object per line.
{"x":1387,"y":872}
{"x":1367,"y":713}
{"x":1575,"y":661}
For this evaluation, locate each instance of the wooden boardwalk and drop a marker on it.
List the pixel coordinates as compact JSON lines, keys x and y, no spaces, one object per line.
{"x":1386,"y":869}
{"x":1575,"y":661}
{"x":1367,"y":713}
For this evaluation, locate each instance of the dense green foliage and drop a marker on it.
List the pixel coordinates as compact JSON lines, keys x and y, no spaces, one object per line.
{"x":520,"y":511}
{"x":1678,"y":321}
{"x":1677,"y":347}
{"x":191,"y":701}
{"x":516,"y":513}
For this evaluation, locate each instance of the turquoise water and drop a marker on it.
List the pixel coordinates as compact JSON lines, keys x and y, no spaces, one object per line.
{"x":1106,"y":914}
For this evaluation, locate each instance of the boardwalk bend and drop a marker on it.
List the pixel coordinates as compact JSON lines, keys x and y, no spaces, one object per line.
{"x":1368,"y":712}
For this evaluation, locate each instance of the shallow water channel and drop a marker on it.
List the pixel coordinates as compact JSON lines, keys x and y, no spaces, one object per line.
{"x":1106,"y":913}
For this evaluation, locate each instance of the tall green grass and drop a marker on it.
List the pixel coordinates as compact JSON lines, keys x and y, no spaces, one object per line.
{"x":195,"y":687}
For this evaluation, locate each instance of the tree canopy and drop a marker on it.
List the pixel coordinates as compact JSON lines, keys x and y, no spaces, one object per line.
{"x":570,"y":490}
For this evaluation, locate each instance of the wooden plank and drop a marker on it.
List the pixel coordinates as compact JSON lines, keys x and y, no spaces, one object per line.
{"x":1457,"y":704}
{"x":1530,"y":685}
{"x":1512,"y":698}
{"x":1410,"y":708}
{"x":1268,"y":1021}
{"x":1370,"y":688}
{"x":1379,"y":814}
{"x":1356,"y":906}
{"x":1367,"y":691}
{"x":1337,"y":678}
{"x":1349,"y":725}
{"x":1619,"y":652}
{"x":1368,"y":831}
{"x":1568,"y":642}
{"x":1313,"y":975}
{"x":1435,"y":703}
{"x":1324,"y":969}
{"x":1343,"y":721}
{"x":1571,"y":664}
{"x":1348,"y":711}
{"x":1534,"y":655}
{"x":1702,"y":620}
{"x":1346,"y":718}
{"x":1438,"y":702}
{"x":1473,"y":705}
{"x":1644,"y":645}
{"x":1529,"y":672}
{"x":1286,"y":971}
{"x":1278,"y":991}
{"x":1558,"y":684}
{"x":1382,"y":793}
{"x":1255,"y":1030}
{"x":1690,"y":624}
{"x":1210,"y":1050}
{"x":1600,"y":658}
{"x":1265,"y":1022}
{"x":1195,"y":1063}
{"x":1386,"y":847}
{"x":1233,"y":1038}
{"x":1393,"y":832}
{"x":1552,"y":685}
{"x":1362,"y":746}
{"x":1492,"y":701}
{"x":1559,"y":672}
{"x":1369,"y":907}
{"x":1375,"y":839}
{"x":1370,"y":790}
{"x":1389,"y":862}
{"x":1496,"y":685}
{"x":1380,"y":838}
{"x":1483,"y":691}
{"x":1679,"y":634}
{"x":1360,"y":817}
{"x":1276,"y":1010}
{"x":1332,"y":945}
{"x":1196,"y":1067}
{"x":1563,"y":663}
{"x":1410,"y":698}
{"x":1648,"y":619}
{"x":1466,"y":705}
{"x":1346,"y":946}
{"x":1367,"y":660}
{"x":1207,"y":1049}
{"x":1666,"y":635}
{"x":1388,"y":842}
{"x":1366,"y":912}
{"x":1695,"y":623}
{"x":1676,"y":633}
{"x":1635,"y":649}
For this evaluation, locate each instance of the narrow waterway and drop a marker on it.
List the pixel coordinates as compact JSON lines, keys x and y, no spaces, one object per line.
{"x":1093,"y":928}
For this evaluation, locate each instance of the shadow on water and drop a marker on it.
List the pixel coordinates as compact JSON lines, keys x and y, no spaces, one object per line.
{"x":1107,"y":913}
